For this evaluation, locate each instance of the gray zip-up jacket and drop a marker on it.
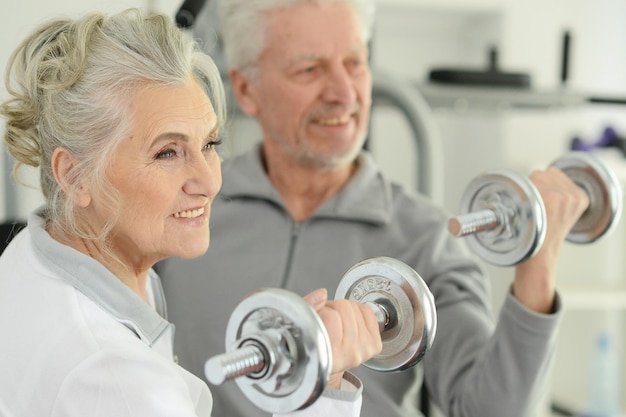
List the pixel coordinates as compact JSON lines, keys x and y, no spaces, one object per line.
{"x":475,"y":368}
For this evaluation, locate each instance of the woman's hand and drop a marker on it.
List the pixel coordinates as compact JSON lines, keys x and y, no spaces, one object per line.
{"x":352,"y":329}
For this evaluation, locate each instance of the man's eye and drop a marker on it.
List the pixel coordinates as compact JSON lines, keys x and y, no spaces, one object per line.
{"x":356,"y":64}
{"x":307,"y":70}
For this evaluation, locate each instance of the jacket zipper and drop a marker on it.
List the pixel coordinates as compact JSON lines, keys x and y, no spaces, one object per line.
{"x":295,"y":232}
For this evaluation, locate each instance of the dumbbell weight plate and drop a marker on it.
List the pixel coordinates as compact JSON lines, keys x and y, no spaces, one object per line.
{"x":299,"y":377}
{"x":388,"y":281}
{"x":604,"y":191}
{"x":522,"y":234}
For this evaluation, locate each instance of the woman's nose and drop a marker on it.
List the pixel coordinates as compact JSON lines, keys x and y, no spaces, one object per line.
{"x":204,"y":175}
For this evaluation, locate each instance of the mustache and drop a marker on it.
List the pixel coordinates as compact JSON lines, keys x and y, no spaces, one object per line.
{"x":334,"y":110}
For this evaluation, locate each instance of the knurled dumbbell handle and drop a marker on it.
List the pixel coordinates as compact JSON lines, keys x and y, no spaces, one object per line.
{"x":243,"y":361}
{"x":383,"y":316}
{"x":474,"y":222}
{"x":250,"y":359}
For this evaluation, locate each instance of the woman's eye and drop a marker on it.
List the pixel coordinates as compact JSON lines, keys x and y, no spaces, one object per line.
{"x":212,"y":144}
{"x":166,"y":154}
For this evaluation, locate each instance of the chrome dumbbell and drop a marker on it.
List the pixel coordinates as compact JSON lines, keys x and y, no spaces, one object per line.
{"x":278,"y":351}
{"x":403,"y":305}
{"x":504,"y":219}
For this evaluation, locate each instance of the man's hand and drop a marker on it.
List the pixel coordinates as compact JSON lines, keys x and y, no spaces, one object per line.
{"x":565,"y":202}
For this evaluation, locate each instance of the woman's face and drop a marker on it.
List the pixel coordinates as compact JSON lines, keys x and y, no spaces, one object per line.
{"x":167,"y":173}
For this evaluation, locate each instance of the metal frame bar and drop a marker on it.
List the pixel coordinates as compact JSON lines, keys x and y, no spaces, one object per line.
{"x":388,"y":89}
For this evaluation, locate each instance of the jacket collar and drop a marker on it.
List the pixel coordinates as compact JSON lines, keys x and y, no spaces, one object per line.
{"x":366,"y":197}
{"x":98,"y":284}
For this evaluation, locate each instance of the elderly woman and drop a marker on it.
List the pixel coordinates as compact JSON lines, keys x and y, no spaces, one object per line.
{"x":122,"y":115}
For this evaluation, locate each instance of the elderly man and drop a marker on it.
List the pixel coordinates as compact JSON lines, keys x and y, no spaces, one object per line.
{"x":307,"y":203}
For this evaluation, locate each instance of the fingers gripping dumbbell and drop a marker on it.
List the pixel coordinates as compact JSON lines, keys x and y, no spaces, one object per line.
{"x":278,"y":351}
{"x":504,"y":219}
{"x":403,"y":305}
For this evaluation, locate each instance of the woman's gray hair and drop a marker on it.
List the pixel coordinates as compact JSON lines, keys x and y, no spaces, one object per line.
{"x":71,"y":83}
{"x":242,"y":25}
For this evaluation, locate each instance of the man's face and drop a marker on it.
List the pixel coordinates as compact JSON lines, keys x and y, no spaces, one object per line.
{"x":313,"y":92}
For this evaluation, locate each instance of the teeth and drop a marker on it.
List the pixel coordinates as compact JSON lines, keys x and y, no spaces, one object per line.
{"x":190,"y":213}
{"x":334,"y":121}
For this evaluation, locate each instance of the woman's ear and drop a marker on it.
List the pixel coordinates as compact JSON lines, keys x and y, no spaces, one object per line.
{"x":244,"y":92}
{"x":63,"y":162}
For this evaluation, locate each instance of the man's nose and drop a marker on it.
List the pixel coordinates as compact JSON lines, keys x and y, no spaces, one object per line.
{"x":339,"y":86}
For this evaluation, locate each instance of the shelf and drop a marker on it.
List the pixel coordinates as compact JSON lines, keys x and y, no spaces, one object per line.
{"x":593,"y":299}
{"x":445,"y":5}
{"x":462,"y":98}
